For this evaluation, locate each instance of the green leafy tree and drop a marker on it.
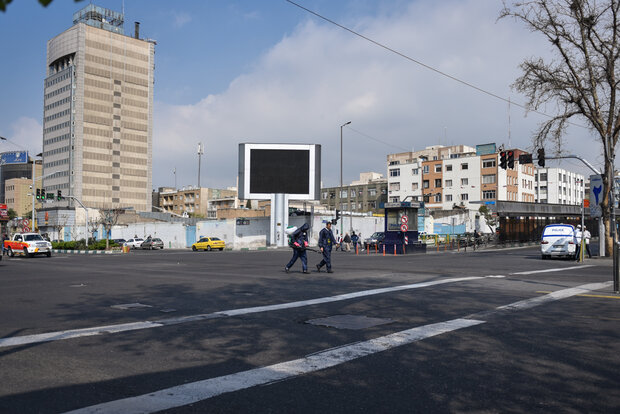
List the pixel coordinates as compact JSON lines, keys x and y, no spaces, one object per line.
{"x":582,"y":78}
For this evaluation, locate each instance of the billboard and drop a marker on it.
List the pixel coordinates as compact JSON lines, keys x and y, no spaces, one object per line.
{"x":266,"y":169}
{"x":14,"y":157}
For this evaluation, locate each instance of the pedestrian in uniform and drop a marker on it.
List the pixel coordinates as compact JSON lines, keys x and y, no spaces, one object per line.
{"x":586,"y":238}
{"x":299,"y":242}
{"x":577,"y":236}
{"x":326,"y":242}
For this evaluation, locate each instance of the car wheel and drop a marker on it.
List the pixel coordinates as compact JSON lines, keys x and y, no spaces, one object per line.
{"x":222,"y":249}
{"x":29,"y":254}
{"x":10,"y":253}
{"x":49,"y":254}
{"x":209,"y":248}
{"x":194,"y":248}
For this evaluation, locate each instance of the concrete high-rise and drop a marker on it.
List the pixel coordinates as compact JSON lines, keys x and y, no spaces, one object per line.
{"x":98,"y":112}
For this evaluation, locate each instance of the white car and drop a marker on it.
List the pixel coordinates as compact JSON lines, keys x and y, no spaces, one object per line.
{"x":558,"y":240}
{"x":134,"y":243}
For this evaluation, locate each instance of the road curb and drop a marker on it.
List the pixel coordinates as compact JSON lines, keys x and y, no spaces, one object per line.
{"x":86,"y":251}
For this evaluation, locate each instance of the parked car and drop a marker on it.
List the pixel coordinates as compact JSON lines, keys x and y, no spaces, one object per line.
{"x":558,"y":240}
{"x":376,"y":239}
{"x":134,"y":243}
{"x":209,"y":243}
{"x":154,"y":243}
{"x":120,"y":242}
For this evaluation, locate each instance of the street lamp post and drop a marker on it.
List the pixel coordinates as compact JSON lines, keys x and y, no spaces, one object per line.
{"x":340,"y":190}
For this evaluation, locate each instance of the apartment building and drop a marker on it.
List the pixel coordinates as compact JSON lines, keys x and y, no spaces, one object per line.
{"x":98,"y":112}
{"x":197,"y":202}
{"x":559,"y":186}
{"x":458,"y":177}
{"x":18,"y":195}
{"x":363,"y":196}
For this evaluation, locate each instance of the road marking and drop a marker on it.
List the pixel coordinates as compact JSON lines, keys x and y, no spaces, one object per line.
{"x":560,"y":294}
{"x":109,"y":329}
{"x":588,"y":296}
{"x":201,"y":390}
{"x":194,"y":392}
{"x":557,"y":269}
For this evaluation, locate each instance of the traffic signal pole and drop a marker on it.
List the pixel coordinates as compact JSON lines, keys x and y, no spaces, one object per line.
{"x":86,"y":210}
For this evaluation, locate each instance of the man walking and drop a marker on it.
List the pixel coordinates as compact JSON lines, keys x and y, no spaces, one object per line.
{"x":577,"y":236}
{"x":586,"y":238}
{"x":326,"y":242}
{"x":299,"y":242}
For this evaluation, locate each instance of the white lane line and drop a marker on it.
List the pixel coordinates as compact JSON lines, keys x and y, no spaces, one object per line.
{"x":201,"y":390}
{"x":557,"y":269}
{"x":75,"y":333}
{"x":560,"y":294}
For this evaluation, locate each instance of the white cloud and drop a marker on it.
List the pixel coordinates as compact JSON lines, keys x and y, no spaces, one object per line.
{"x":25,"y":134}
{"x":181,"y":19}
{"x":321,"y":76}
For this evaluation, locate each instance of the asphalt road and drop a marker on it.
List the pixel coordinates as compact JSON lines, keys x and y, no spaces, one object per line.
{"x":196,"y":332}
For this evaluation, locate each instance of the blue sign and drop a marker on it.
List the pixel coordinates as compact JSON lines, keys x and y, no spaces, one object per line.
{"x":14,"y":157}
{"x":489,"y":203}
{"x":485,"y":149}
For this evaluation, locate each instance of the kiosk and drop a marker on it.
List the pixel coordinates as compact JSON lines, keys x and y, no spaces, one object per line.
{"x":401,"y":228}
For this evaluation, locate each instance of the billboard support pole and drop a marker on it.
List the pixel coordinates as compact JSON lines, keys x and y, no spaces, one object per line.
{"x":279,"y":219}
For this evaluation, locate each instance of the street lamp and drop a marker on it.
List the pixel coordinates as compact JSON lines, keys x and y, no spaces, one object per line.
{"x":340,"y":190}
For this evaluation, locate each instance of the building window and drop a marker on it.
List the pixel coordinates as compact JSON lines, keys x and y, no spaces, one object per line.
{"x":437,"y":168}
{"x":394,"y":199}
{"x":464,"y":181}
{"x":464,"y":197}
{"x":449,"y":167}
{"x":448,"y":183}
{"x":543,"y":176}
{"x":425,"y":169}
{"x":414,"y":186}
{"x":488,"y":195}
{"x":395,"y":172}
{"x":415,"y":171}
{"x":372,"y":192}
{"x":454,"y":155}
{"x":488,"y":179}
{"x":464,"y":166}
{"x":425,"y":184}
{"x":448,"y":197}
{"x":437,"y":182}
{"x":325,"y":195}
{"x":394,"y":162}
{"x":488,"y":163}
{"x":437,"y":198}
{"x":394,"y":186}
{"x":344,"y":194}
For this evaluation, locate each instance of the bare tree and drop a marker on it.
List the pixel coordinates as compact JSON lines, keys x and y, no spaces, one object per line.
{"x":109,"y":218}
{"x":582,"y":81}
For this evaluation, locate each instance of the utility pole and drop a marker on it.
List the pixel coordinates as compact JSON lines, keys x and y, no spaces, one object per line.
{"x":200,"y":152}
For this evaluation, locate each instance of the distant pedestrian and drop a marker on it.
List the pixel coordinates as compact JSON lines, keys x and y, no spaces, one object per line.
{"x":354,"y":240}
{"x":586,"y":238}
{"x":326,"y":241}
{"x":577,"y":235}
{"x":4,"y":237}
{"x":347,"y":241}
{"x":299,"y":242}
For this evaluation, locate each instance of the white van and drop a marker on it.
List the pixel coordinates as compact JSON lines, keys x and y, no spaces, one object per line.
{"x":558,"y":240}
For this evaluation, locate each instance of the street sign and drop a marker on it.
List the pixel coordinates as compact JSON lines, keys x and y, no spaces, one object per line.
{"x":404,"y":227}
{"x":596,"y":195}
{"x":404,"y":219}
{"x":406,"y":240}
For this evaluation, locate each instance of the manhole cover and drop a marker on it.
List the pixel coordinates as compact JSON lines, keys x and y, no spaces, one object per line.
{"x":126,"y":306}
{"x":349,"y":321}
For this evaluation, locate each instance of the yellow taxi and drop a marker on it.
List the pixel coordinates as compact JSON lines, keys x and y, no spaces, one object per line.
{"x":209,"y":243}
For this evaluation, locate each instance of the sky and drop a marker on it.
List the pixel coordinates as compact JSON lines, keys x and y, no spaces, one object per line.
{"x":237,"y":71}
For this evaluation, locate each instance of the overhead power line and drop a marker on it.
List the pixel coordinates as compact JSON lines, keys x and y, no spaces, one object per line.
{"x":454,"y":78}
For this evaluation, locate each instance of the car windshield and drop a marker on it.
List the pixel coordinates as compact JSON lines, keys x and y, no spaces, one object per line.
{"x":156,"y":240}
{"x":33,"y":237}
{"x":376,"y":235}
{"x":214,"y":239}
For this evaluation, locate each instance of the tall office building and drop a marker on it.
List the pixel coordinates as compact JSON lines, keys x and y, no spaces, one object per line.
{"x":98,"y":112}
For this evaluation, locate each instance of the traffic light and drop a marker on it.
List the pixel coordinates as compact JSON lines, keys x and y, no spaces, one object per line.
{"x":510,"y":155}
{"x":503,"y":163}
{"x":38,"y":193}
{"x":59,"y":195}
{"x":541,"y":157}
{"x":43,"y":194}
